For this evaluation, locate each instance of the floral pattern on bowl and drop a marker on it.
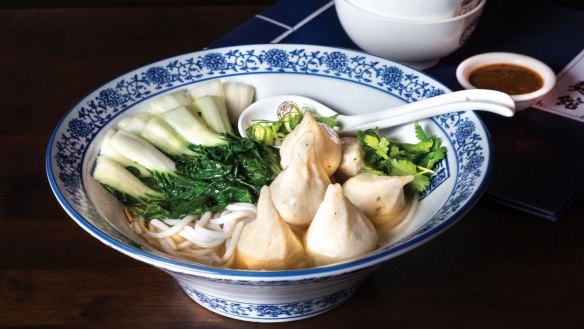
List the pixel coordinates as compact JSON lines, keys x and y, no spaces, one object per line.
{"x":345,"y":79}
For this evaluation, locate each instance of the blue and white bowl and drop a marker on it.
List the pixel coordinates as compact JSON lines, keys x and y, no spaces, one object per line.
{"x":349,"y":81}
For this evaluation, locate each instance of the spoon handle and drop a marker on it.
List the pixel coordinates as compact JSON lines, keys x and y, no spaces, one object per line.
{"x":411,"y":116}
{"x":474,"y":99}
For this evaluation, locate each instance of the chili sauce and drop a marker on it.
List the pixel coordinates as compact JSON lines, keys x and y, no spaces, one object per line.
{"x":508,"y":78}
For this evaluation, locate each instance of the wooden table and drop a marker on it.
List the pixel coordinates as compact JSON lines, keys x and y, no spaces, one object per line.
{"x":496,"y":268}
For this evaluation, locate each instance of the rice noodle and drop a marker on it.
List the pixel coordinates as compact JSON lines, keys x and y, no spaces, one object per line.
{"x":206,"y":217}
{"x":175,"y":229}
{"x":209,"y":238}
{"x":214,"y":227}
{"x":166,"y":248}
{"x":205,"y":233}
{"x":136,"y":227}
{"x":170,"y":243}
{"x":232,"y":215}
{"x":171,"y":222}
{"x":158,"y":224}
{"x":241,"y":206}
{"x":184,"y":244}
{"x":230,"y":244}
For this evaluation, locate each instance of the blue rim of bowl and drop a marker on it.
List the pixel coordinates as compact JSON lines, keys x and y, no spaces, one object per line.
{"x":232,"y":274}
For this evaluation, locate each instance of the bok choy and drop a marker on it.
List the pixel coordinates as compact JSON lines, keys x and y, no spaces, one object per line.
{"x":173,"y":161}
{"x":127,"y":187}
{"x":191,"y":127}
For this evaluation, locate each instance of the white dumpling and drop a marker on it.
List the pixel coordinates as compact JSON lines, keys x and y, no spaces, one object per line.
{"x":298,"y":190}
{"x":381,"y":198}
{"x":352,"y":161}
{"x":327,"y":144}
{"x":339,"y":230}
{"x":267,"y":243}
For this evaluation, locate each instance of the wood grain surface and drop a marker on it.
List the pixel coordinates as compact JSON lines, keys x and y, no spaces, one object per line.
{"x":496,"y":268}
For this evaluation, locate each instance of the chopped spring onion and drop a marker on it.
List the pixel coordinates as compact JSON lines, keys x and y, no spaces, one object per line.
{"x":273,"y":132}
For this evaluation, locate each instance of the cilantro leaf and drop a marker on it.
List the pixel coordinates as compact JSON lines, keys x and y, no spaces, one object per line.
{"x":379,"y":145}
{"x":395,"y":152}
{"x":437,"y":153}
{"x":384,"y":156}
{"x":420,"y":147}
{"x":403,"y":168}
{"x":420,"y":183}
{"x":408,"y":168}
{"x":420,"y":133}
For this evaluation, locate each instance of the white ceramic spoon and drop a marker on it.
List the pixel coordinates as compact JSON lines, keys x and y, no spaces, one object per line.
{"x":465,"y":100}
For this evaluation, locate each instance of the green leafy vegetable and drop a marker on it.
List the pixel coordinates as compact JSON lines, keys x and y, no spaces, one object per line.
{"x":181,"y":157}
{"x":217,"y":176}
{"x":384,"y":156}
{"x":179,"y":185}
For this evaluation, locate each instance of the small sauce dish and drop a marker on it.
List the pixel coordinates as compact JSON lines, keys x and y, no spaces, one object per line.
{"x":524,"y":78}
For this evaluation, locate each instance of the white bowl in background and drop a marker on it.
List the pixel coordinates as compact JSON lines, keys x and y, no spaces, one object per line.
{"x":410,"y":9}
{"x":418,"y":43}
{"x":349,"y":81}
{"x":522,"y":101}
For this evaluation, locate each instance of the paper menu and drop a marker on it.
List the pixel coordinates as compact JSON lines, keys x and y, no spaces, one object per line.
{"x":567,"y":96}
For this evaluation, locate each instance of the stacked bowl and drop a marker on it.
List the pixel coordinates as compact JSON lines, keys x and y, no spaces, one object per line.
{"x":415,"y":32}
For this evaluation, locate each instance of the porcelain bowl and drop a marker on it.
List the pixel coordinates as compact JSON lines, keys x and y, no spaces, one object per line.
{"x":522,"y":101}
{"x":411,"y":9}
{"x":349,"y":81}
{"x":418,"y":43}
